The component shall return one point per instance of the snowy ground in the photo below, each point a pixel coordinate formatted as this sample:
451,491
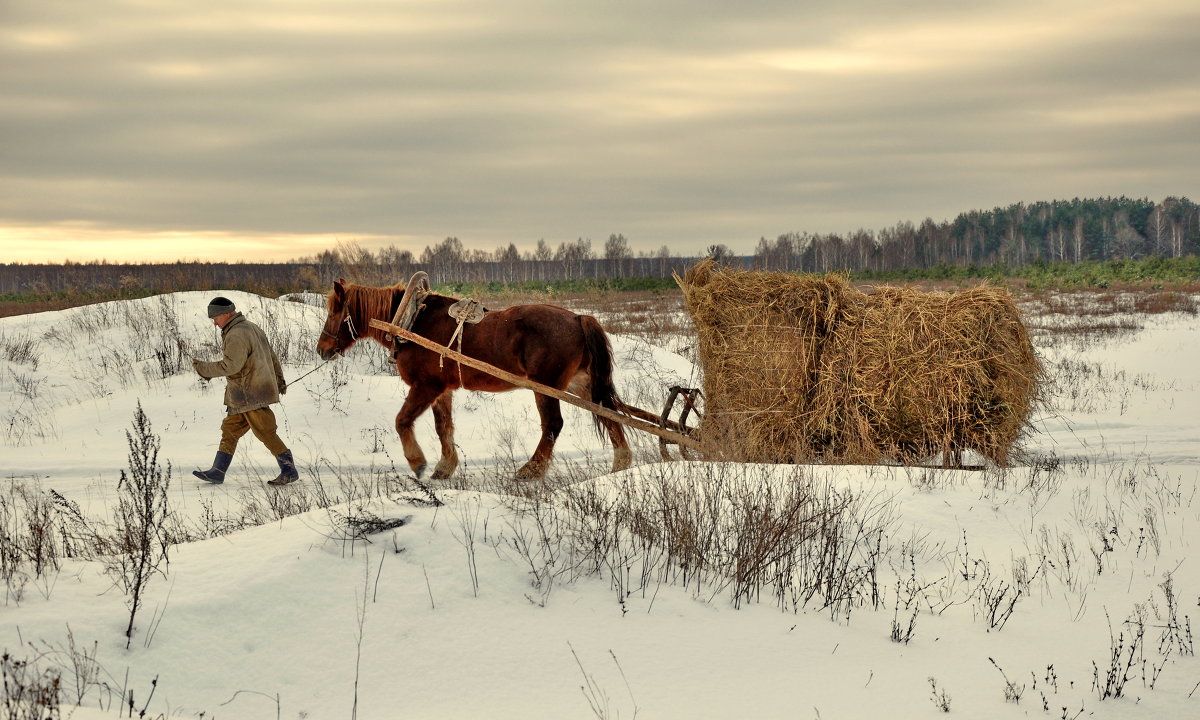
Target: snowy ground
1006,593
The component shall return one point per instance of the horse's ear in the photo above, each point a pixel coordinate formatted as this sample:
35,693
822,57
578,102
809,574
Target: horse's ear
338,288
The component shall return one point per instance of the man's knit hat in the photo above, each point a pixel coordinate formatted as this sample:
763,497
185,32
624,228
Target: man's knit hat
220,306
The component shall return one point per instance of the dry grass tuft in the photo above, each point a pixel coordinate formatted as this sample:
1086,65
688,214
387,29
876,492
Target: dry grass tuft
804,367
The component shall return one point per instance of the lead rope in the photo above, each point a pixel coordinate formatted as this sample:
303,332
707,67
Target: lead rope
353,333
310,372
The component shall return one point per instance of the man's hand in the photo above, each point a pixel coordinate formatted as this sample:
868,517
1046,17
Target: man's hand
196,367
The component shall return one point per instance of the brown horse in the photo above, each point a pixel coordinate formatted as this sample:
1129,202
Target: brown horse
545,343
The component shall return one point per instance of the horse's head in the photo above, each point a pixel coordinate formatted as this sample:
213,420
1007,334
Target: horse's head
339,332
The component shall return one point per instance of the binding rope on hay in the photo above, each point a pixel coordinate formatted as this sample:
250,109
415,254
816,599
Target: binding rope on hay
804,368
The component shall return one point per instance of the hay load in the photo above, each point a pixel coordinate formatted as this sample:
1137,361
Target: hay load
805,368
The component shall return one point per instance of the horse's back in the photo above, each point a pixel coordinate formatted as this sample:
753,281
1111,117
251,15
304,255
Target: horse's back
537,340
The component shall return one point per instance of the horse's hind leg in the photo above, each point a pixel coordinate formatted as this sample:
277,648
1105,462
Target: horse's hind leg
552,423
443,422
622,455
420,397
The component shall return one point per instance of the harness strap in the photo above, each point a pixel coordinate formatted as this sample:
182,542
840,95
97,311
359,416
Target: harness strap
464,311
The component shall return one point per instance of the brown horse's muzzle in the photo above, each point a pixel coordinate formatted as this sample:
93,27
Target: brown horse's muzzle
336,338
327,349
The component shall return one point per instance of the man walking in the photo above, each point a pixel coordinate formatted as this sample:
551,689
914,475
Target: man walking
254,380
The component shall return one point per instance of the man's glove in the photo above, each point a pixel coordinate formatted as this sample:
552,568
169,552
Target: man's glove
282,387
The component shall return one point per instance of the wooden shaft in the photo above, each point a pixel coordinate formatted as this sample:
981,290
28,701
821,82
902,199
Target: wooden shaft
567,397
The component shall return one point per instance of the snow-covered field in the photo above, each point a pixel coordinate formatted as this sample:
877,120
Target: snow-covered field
1059,588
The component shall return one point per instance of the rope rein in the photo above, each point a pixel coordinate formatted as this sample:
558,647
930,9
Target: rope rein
349,322
310,372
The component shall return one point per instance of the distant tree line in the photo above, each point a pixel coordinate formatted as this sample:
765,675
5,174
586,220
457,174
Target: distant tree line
447,262
1058,231
450,261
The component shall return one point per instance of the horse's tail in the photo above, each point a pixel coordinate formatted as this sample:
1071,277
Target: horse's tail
604,393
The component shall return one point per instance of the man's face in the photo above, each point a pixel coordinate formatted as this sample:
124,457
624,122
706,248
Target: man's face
222,319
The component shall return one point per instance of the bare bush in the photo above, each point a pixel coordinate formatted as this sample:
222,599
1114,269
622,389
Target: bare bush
29,415
938,696
1127,658
29,693
540,547
1176,632
141,543
29,547
794,542
19,349
78,668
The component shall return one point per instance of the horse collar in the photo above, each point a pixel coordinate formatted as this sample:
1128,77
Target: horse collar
411,304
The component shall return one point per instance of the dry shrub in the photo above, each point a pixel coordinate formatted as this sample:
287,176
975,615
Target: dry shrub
1164,302
29,693
801,368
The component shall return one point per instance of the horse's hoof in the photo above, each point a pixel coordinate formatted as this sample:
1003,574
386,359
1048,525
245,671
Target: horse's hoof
419,470
531,472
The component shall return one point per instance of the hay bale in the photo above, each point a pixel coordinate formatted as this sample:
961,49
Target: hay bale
803,368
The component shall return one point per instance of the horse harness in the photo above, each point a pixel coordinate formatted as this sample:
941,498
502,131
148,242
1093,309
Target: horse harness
464,311
348,322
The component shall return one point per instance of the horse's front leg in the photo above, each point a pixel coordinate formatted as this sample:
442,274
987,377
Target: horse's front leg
552,424
443,422
420,397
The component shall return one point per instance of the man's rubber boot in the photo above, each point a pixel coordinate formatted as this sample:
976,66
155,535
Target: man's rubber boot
287,469
215,474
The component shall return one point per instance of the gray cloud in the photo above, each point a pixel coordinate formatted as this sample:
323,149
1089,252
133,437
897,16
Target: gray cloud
674,123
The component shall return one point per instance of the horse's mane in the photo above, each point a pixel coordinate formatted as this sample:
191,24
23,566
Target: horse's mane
373,302
369,302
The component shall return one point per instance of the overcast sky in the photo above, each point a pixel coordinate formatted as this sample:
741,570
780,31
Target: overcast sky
270,129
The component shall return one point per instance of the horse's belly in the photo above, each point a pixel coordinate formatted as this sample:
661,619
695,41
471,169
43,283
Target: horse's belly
486,383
